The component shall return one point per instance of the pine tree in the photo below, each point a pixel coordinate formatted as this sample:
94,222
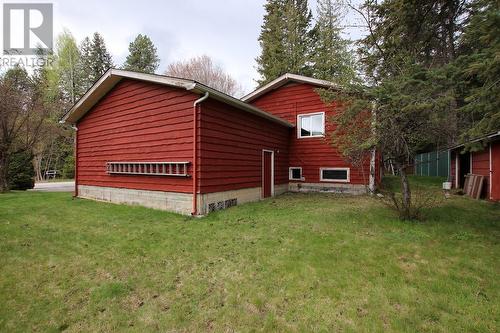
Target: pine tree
478,69
285,39
95,59
85,65
101,59
142,55
298,19
332,57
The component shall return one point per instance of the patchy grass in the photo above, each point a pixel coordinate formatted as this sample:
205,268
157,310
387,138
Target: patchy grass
418,182
299,262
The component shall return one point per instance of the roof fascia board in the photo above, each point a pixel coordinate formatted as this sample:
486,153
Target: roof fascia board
489,136
239,104
113,76
282,80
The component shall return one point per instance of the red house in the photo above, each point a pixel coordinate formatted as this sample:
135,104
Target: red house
485,162
178,145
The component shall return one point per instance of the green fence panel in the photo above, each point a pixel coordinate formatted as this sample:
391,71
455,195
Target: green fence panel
443,164
417,165
432,164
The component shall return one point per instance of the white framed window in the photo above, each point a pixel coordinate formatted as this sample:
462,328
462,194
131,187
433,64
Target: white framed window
311,125
295,173
340,175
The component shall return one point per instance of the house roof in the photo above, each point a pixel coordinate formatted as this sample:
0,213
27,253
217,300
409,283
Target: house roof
284,79
491,136
113,76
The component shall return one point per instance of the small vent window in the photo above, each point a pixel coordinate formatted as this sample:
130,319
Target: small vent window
148,168
335,175
295,173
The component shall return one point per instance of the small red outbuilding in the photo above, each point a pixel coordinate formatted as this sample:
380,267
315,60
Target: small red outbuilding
485,162
178,145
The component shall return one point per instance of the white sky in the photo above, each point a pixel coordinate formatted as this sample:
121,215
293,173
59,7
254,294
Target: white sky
226,30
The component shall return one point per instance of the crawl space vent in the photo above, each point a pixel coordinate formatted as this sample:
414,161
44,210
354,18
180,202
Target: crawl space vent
212,207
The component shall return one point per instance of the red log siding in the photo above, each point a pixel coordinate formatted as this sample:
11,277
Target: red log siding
309,153
495,166
136,121
481,166
230,148
453,168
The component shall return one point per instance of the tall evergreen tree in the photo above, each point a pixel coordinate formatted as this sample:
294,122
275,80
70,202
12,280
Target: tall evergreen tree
142,56
411,97
478,70
331,57
95,59
298,41
101,58
285,39
85,65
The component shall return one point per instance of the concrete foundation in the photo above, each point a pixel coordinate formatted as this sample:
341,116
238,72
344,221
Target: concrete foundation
208,202
328,187
181,203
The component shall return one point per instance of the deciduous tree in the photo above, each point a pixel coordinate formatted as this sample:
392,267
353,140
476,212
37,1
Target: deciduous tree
204,70
21,117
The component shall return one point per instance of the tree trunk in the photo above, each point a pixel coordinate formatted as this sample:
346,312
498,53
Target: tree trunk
405,192
372,185
4,184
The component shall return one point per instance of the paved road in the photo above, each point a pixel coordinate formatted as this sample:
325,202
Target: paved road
55,187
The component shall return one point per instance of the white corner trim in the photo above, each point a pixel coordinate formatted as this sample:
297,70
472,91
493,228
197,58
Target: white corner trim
471,164
490,179
299,130
348,180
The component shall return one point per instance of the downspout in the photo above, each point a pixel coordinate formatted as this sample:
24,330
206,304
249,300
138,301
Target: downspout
76,160
194,211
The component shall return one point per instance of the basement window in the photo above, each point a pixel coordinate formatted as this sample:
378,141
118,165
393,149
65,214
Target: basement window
340,175
311,125
295,173
179,169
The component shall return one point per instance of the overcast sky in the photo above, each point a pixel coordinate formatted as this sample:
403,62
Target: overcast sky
225,30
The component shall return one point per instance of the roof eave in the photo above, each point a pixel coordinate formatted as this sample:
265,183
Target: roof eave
240,104
486,137
284,79
109,79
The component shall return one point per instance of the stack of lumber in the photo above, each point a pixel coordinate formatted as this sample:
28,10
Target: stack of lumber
473,185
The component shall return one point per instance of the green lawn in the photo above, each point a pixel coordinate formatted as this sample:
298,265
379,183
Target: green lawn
294,263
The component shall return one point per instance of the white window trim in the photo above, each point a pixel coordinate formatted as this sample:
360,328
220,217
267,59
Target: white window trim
348,180
290,174
299,135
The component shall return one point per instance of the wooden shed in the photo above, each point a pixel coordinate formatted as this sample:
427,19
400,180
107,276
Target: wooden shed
178,145
485,162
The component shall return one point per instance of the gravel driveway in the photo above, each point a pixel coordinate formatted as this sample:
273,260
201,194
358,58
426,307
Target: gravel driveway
55,187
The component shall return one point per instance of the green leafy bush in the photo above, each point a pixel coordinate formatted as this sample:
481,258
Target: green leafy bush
21,174
68,171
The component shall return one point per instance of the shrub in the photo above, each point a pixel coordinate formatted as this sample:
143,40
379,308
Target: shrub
68,170
21,173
